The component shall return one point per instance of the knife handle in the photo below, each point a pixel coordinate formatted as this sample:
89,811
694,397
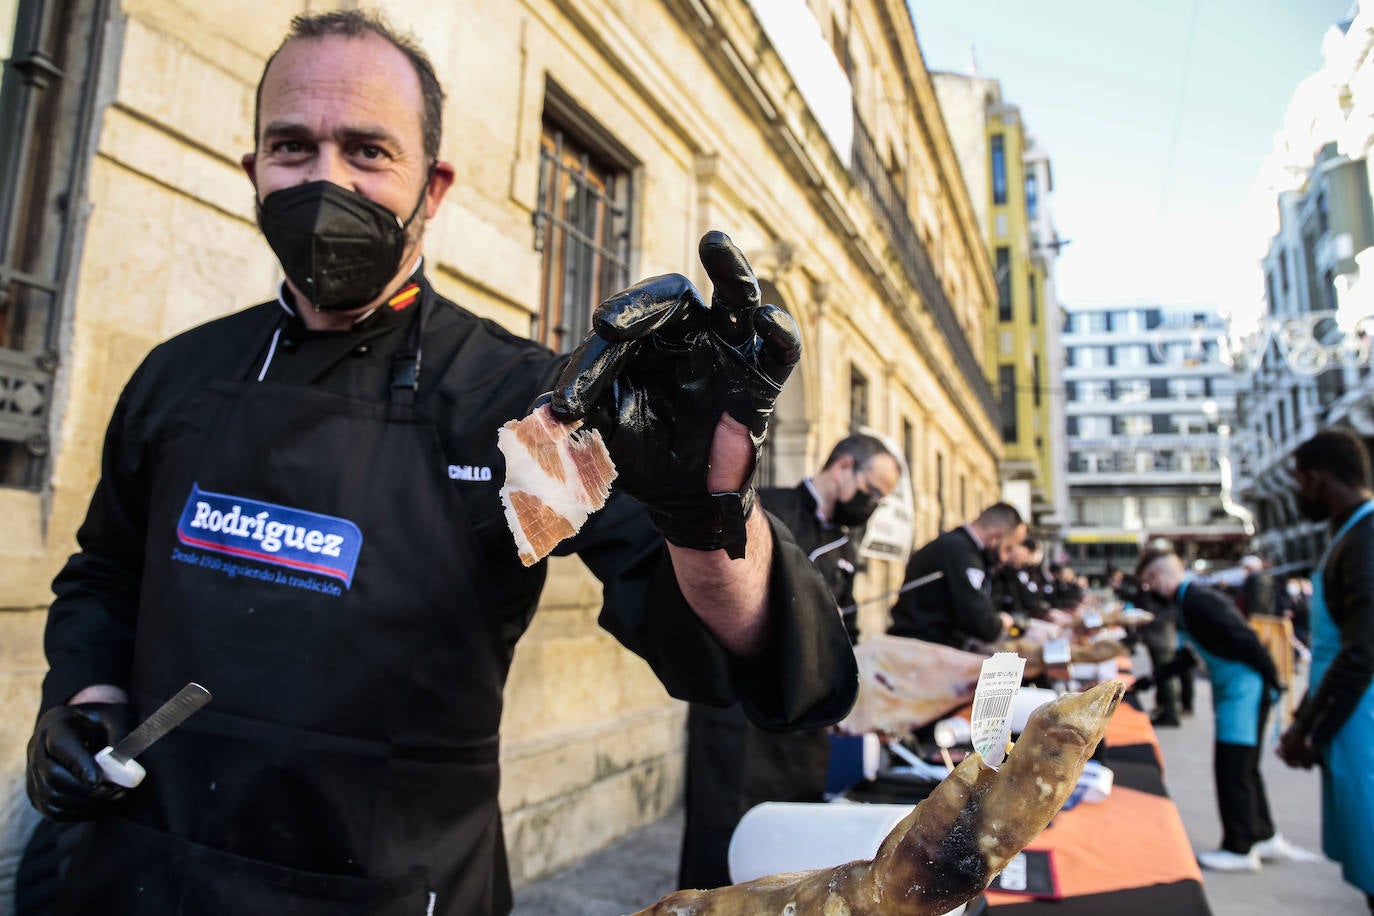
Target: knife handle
128,773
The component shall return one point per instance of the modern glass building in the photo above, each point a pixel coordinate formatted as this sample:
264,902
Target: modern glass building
1148,404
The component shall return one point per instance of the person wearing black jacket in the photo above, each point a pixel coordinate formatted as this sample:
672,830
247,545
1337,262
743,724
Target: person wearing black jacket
1334,725
956,609
1257,590
1244,684
1066,593
732,765
300,513
1018,585
1009,592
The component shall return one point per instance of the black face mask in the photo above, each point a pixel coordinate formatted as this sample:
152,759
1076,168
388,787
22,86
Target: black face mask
336,246
856,510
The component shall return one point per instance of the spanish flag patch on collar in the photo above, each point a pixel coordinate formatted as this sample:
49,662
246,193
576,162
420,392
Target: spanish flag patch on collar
403,299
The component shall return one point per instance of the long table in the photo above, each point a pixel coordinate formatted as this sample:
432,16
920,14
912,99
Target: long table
1127,855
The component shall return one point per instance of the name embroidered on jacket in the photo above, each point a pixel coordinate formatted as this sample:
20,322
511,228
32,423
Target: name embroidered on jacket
279,535
468,472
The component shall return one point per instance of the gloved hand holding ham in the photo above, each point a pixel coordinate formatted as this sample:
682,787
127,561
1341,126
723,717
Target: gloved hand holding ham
675,389
955,841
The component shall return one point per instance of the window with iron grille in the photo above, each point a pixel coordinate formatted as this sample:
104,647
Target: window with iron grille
999,170
940,489
1003,261
582,227
1006,385
858,399
47,104
909,443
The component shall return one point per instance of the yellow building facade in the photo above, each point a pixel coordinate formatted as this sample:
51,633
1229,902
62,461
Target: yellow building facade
594,142
1009,181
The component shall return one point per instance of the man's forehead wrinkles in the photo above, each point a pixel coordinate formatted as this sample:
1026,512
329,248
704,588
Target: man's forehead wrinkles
337,108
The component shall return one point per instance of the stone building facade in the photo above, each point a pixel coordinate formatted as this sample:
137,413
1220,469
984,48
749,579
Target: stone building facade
594,142
1305,364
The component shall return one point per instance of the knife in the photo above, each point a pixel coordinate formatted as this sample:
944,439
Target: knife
117,762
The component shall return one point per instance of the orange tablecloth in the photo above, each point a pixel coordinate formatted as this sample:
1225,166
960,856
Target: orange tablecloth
1128,855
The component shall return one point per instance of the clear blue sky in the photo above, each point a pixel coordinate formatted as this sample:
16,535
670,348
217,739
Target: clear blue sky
1155,146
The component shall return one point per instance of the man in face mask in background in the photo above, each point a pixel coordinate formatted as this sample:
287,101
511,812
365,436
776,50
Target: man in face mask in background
278,519
825,512
732,765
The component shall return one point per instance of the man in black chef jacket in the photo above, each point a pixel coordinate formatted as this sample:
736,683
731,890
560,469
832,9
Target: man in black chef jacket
956,609
731,764
300,512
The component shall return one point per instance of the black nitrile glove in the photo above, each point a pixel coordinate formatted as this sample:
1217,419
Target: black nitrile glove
64,781
655,375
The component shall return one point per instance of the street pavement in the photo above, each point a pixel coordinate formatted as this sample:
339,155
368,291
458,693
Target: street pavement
1295,804
639,868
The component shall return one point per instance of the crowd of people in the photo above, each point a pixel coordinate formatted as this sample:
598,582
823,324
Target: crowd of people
349,763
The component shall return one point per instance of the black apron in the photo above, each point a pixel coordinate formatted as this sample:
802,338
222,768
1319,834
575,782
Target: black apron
310,563
733,765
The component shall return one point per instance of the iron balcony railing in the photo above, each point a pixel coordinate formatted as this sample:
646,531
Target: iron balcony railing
890,207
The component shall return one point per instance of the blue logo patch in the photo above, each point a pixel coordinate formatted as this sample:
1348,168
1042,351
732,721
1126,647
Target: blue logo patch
273,534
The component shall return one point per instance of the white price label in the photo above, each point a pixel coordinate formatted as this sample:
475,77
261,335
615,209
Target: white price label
1092,619
1014,876
998,684
1057,651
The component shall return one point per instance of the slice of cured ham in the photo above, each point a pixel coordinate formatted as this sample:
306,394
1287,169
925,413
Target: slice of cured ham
906,683
557,474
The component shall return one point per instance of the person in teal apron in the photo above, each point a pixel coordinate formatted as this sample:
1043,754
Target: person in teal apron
1334,725
1244,684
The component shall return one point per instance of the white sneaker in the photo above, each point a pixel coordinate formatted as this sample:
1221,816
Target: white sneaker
1223,860
1277,849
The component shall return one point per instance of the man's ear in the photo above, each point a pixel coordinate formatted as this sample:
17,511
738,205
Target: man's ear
441,178
249,162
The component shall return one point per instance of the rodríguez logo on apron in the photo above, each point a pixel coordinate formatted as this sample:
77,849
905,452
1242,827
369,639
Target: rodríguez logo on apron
269,533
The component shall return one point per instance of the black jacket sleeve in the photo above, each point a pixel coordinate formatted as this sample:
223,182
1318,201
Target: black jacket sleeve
951,609
90,630
1348,583
970,605
807,676
1257,594
1216,623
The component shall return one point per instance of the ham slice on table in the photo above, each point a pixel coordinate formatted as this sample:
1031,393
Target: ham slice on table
557,474
907,683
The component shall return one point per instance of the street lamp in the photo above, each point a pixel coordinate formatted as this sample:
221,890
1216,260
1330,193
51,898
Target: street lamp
1228,502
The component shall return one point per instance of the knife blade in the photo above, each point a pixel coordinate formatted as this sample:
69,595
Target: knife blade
117,762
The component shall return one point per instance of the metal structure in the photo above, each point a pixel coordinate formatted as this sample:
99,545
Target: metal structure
47,106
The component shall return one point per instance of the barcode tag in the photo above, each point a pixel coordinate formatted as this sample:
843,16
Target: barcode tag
998,684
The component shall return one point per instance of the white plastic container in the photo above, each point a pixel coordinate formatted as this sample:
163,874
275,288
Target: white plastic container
795,836
1027,701
952,731
777,837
